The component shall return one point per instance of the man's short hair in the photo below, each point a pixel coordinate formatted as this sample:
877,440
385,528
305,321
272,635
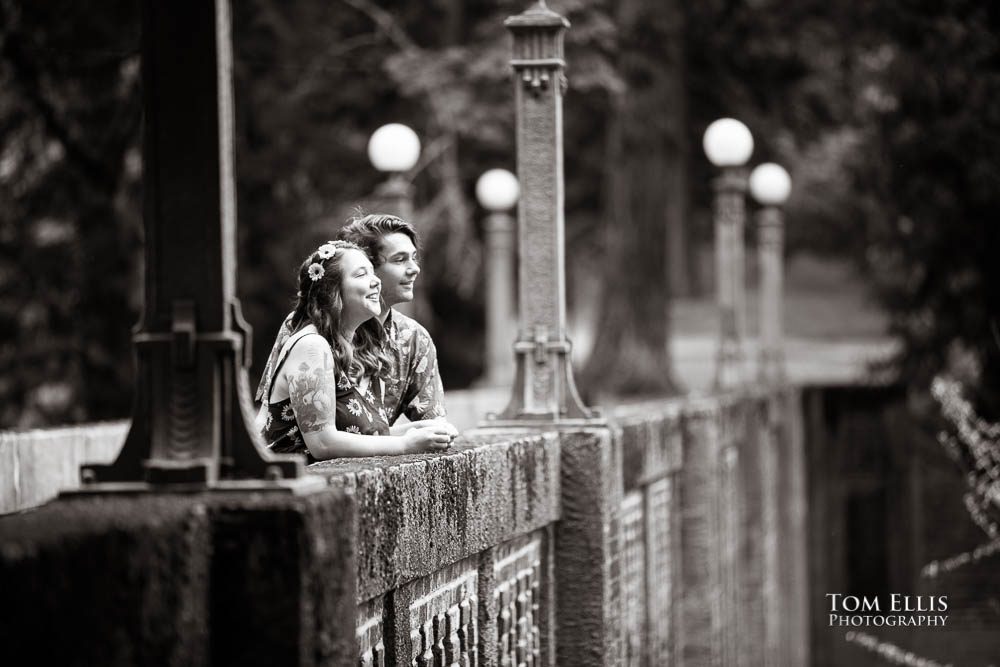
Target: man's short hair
367,232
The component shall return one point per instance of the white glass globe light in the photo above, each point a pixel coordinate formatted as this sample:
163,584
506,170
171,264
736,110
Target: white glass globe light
497,190
394,148
728,143
770,184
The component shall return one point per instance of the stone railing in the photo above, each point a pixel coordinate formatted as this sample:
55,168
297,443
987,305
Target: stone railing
36,465
672,535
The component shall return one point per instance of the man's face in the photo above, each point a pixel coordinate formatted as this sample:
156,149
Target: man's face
398,269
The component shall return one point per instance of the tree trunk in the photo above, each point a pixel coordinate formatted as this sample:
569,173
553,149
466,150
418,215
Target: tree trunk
680,266
644,189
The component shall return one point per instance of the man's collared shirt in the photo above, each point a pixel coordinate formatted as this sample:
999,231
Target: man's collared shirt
412,380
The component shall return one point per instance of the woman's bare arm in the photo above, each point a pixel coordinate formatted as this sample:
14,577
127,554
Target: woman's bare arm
312,388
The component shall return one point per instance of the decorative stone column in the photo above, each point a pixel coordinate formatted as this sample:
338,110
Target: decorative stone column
544,389
395,197
770,185
497,191
728,145
192,421
730,267
394,150
770,244
500,314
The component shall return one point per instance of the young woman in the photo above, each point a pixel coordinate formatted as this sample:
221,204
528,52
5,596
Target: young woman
325,395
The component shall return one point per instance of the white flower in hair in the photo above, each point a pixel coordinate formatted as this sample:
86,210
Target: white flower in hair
316,271
326,251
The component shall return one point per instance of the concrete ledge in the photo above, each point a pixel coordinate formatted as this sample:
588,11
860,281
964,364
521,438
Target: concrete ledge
282,584
417,514
251,579
36,465
671,534
88,582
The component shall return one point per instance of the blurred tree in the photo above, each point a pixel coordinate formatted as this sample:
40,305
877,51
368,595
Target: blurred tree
306,110
934,90
644,197
886,118
69,207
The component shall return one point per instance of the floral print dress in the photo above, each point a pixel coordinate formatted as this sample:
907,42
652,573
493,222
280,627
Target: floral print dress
411,381
358,411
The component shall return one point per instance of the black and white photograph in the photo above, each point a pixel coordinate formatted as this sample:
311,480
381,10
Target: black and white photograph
500,333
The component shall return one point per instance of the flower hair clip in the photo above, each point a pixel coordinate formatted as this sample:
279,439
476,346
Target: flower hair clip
316,271
327,250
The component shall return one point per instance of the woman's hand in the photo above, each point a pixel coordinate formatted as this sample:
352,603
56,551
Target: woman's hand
433,437
439,422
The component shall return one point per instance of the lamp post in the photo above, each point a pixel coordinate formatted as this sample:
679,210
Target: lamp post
497,191
394,150
770,185
728,145
192,419
544,389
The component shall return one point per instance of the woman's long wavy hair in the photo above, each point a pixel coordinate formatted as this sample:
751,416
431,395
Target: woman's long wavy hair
320,303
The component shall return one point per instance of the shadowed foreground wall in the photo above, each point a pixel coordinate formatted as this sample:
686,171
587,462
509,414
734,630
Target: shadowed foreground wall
672,535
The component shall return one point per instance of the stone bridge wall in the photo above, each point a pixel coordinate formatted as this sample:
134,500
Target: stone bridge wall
674,535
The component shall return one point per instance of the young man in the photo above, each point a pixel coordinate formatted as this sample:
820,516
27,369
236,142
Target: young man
412,381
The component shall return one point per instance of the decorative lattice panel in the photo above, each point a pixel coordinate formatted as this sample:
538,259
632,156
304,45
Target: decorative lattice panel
517,575
633,575
660,553
443,628
370,639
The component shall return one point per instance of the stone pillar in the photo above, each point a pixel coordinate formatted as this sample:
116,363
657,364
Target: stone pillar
192,419
730,275
501,318
395,197
700,637
544,389
770,243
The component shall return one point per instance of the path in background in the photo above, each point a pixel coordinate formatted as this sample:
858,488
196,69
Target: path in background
833,332
833,329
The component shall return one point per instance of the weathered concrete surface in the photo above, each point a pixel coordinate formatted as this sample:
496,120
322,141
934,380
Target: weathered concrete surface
588,571
106,582
651,441
652,452
252,579
36,465
708,543
749,425
282,584
417,514
794,529
702,538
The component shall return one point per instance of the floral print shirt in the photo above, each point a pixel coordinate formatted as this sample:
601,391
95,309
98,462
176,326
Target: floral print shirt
412,381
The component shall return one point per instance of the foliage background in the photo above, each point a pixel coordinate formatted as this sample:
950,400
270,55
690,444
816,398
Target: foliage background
886,114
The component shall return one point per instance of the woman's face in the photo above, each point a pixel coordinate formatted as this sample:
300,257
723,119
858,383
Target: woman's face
359,288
